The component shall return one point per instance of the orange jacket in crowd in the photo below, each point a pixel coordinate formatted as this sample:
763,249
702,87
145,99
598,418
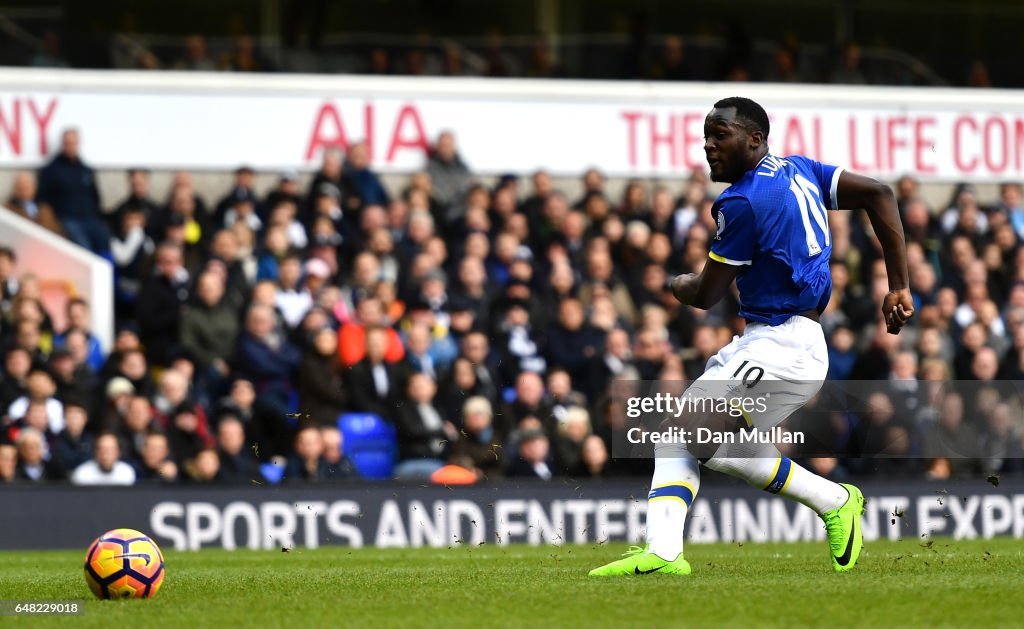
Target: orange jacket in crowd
352,345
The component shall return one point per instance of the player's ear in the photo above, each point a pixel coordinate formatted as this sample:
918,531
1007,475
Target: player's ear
756,139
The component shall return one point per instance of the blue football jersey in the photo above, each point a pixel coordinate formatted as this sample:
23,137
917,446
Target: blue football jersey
773,222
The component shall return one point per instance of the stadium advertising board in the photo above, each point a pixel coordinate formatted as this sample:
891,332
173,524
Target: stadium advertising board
217,121
385,516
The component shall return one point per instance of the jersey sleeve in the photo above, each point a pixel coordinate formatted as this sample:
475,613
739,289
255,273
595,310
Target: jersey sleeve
736,238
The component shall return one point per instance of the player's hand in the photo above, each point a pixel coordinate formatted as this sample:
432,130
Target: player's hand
897,308
682,287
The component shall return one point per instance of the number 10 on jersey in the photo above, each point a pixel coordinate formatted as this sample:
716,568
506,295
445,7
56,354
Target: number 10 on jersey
808,197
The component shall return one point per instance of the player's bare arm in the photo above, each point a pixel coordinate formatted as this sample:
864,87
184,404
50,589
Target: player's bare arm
857,191
705,289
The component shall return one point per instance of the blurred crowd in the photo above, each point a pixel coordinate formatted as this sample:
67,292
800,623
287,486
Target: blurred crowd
733,56
485,323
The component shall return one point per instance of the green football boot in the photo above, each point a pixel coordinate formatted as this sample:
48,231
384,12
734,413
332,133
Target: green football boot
845,538
639,561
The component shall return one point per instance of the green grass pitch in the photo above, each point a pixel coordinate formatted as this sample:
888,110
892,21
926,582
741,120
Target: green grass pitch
896,583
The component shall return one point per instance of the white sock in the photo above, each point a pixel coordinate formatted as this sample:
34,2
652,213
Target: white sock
674,485
769,470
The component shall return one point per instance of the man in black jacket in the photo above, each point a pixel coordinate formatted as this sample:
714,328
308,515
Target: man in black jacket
69,187
237,463
375,385
160,303
422,433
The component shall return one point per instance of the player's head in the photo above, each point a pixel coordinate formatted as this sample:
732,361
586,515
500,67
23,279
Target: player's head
735,137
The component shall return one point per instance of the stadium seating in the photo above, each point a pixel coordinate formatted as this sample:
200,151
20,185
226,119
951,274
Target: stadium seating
370,443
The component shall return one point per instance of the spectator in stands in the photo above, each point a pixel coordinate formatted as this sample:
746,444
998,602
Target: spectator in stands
73,445
1000,445
456,386
337,463
477,349
33,463
601,368
195,57
8,463
138,199
595,458
132,427
160,303
449,175
292,299
28,309
952,438
422,433
172,401
240,402
1010,206
784,67
308,465
204,468
673,65
361,185
559,393
426,354
69,186
601,272
352,336
14,383
105,468
287,190
529,402
266,358
156,465
75,381
477,441
328,181
533,460
8,283
241,210
185,224
130,247
237,463
133,367
182,426
323,394
35,418
286,214
244,57
848,69
571,341
24,201
79,318
376,385
572,430
209,333
227,260
28,336
40,389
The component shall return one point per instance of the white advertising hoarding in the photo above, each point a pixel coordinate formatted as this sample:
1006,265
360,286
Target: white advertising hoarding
219,121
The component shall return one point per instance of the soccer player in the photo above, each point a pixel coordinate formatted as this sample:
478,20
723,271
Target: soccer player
773,240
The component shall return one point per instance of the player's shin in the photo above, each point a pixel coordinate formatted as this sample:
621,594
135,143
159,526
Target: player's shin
764,467
674,486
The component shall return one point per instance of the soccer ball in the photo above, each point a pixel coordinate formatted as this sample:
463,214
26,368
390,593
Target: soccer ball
124,563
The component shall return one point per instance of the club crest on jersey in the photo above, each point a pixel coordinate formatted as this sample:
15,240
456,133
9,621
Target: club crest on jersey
721,225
